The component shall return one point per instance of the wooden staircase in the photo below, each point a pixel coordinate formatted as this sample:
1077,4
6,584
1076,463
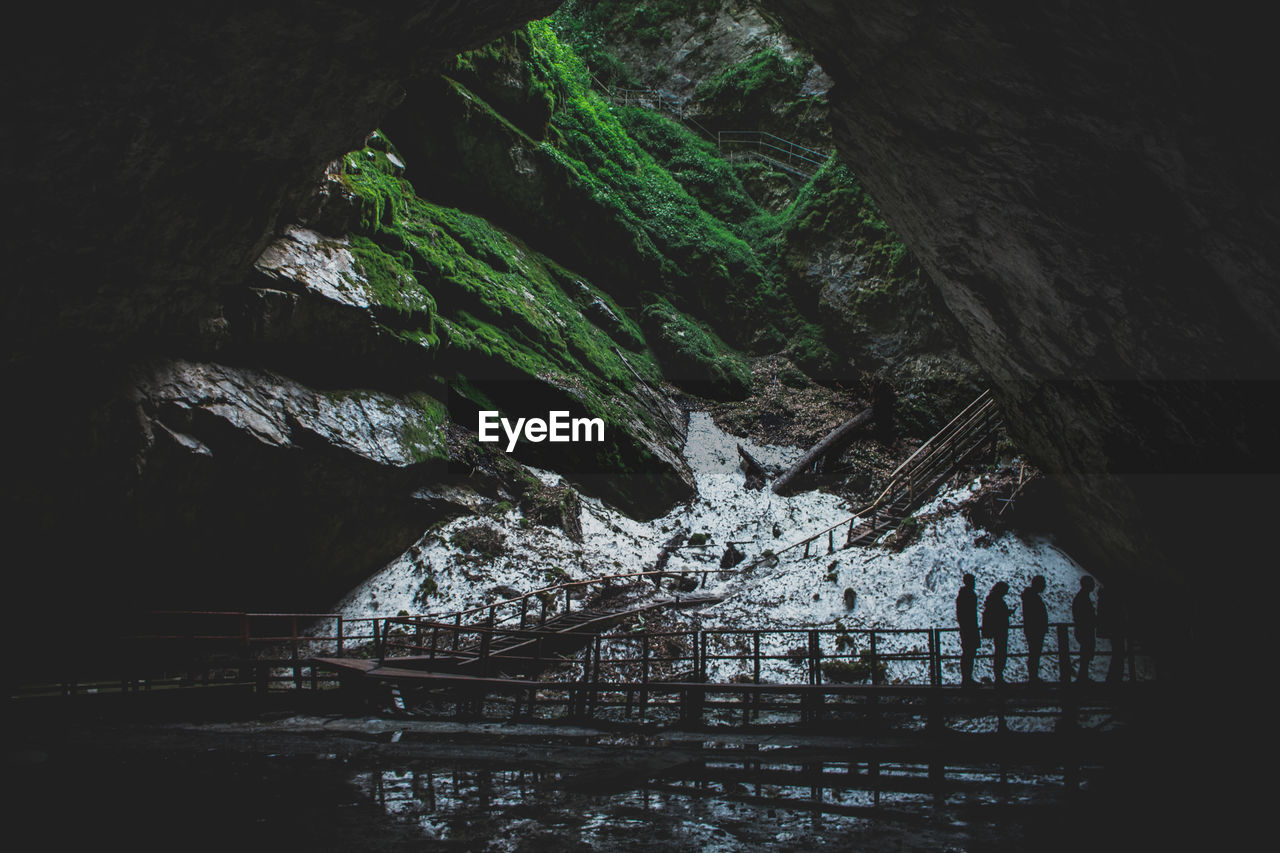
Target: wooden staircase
485,650
918,478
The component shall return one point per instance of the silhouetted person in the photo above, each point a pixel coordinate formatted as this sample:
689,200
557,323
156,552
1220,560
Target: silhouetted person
1035,624
995,625
1086,624
967,620
1111,625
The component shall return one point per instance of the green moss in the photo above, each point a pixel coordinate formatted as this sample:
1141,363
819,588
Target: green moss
589,25
425,437
747,88
600,158
693,355
426,589
695,163
835,199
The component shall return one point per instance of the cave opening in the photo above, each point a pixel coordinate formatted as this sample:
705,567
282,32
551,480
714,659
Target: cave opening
258,299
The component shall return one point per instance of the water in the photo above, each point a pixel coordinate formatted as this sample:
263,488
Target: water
262,786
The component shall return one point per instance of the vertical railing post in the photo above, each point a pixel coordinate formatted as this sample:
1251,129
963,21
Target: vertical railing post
875,661
457,630
594,695
379,651
755,654
644,674
935,657
340,626
297,662
486,637
524,611
815,671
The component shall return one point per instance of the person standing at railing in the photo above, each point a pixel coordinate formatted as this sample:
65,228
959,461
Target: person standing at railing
1086,624
1035,624
967,620
995,626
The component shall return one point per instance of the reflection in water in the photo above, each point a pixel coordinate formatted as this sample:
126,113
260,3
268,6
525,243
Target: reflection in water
761,802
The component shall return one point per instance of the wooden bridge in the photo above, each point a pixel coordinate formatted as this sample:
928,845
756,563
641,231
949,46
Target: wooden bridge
873,678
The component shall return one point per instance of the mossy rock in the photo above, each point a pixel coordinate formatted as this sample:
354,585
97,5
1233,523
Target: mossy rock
693,356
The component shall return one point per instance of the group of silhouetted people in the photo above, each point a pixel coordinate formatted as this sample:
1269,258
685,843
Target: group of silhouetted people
1106,621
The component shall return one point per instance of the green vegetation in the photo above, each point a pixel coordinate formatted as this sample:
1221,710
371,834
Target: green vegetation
746,87
698,539
622,178
835,199
502,311
426,589
693,355
589,26
695,163
425,437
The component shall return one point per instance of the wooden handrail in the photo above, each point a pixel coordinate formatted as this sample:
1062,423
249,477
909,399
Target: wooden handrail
935,449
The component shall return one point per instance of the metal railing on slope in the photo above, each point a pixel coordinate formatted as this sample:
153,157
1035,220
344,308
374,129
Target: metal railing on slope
918,476
783,153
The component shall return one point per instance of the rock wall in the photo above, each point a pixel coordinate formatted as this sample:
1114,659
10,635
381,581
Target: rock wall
1092,188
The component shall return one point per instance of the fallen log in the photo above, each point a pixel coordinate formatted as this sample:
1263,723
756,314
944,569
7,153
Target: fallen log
752,468
673,544
780,485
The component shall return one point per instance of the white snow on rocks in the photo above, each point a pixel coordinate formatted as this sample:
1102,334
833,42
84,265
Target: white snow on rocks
915,588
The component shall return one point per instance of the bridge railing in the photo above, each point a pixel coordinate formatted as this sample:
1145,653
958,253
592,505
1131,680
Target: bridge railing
272,651
907,656
775,149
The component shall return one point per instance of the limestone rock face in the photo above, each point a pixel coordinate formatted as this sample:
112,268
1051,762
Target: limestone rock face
319,266
262,488
279,413
1092,188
